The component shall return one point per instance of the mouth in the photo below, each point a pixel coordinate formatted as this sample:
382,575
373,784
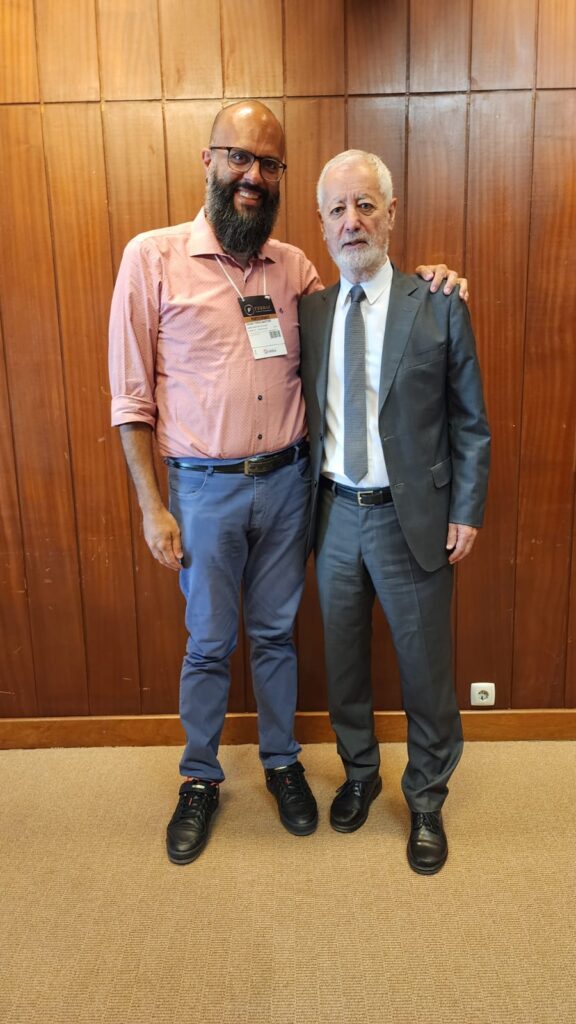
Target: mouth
353,243
249,196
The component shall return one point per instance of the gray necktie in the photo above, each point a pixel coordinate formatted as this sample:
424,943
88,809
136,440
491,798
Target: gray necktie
355,439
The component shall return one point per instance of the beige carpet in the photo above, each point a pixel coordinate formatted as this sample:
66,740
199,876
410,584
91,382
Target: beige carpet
266,928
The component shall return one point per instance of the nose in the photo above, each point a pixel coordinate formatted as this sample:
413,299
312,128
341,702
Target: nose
254,175
351,218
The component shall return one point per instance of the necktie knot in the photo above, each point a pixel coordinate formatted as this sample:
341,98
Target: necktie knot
357,293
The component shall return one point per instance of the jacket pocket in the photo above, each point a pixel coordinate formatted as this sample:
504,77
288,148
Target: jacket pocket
415,356
442,472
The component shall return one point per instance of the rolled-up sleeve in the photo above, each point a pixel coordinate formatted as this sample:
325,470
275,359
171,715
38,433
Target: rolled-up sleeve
133,335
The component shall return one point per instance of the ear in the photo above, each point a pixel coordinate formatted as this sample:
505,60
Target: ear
206,157
392,213
319,215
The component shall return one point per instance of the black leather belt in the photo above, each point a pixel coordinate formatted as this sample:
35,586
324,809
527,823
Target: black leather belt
381,496
258,465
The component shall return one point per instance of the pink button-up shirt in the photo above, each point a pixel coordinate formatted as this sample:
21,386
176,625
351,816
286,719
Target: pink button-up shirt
180,358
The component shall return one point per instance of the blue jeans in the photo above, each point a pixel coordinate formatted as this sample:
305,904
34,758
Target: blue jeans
248,530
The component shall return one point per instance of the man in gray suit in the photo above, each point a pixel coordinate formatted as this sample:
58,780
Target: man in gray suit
400,452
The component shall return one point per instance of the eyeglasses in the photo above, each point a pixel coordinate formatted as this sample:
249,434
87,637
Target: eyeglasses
241,160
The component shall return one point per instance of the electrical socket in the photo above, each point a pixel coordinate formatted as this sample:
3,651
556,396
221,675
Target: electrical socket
482,695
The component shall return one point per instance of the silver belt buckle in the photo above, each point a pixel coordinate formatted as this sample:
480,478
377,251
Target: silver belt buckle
360,495
258,465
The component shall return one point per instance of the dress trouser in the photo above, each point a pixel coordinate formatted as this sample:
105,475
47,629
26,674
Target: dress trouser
236,530
361,552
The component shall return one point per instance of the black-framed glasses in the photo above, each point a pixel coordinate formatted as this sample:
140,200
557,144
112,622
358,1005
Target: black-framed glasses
241,160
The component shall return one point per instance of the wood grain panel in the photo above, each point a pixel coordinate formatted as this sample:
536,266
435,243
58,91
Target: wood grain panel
134,143
315,132
67,50
557,44
17,689
314,40
134,146
188,125
311,727
74,149
39,418
498,209
190,48
379,126
160,617
252,47
436,178
549,414
503,47
18,70
570,700
439,45
129,49
377,45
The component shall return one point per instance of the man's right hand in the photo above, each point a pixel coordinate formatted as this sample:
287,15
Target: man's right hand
162,535
161,530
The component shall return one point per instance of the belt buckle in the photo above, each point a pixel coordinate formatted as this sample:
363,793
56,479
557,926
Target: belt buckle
256,466
362,494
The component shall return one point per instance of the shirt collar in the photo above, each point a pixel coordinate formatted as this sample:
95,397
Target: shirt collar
203,241
373,288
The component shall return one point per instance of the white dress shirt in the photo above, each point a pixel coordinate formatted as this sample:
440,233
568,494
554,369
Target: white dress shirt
374,312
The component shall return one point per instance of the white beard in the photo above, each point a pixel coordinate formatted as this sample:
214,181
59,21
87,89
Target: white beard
361,262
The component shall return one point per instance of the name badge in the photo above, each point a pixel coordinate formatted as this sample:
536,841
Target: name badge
262,326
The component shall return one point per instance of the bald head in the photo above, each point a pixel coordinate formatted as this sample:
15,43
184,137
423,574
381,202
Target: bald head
247,120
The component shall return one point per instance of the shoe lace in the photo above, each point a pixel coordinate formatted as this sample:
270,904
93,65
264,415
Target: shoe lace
430,821
292,785
195,803
351,786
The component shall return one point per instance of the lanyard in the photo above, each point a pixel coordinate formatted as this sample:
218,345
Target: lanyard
260,321
237,290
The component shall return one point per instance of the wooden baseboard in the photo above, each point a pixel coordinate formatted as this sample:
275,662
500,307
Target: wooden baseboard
311,727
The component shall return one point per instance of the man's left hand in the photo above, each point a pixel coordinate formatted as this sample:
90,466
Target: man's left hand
460,541
437,273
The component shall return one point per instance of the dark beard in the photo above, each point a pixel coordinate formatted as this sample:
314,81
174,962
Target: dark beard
239,232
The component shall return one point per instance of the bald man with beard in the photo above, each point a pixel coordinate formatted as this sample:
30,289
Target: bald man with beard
204,357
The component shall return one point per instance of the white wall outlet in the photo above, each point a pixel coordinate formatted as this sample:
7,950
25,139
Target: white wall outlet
482,695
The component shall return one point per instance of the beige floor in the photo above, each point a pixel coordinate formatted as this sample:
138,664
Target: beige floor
267,928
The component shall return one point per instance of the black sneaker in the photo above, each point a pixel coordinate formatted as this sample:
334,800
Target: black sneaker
189,827
296,803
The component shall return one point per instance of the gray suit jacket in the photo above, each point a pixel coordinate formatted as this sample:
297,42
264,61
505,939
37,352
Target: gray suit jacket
432,420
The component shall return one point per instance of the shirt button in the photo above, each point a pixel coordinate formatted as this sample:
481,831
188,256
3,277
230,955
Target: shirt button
259,437
259,398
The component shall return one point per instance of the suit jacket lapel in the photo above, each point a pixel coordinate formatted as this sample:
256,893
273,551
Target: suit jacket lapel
329,297
402,310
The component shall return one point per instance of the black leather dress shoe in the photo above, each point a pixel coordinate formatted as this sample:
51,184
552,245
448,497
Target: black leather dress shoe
189,827
296,803
352,802
427,846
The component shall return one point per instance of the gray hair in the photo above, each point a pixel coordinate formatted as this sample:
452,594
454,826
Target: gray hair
384,176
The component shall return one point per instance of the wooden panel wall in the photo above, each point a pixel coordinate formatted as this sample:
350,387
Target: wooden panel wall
104,108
